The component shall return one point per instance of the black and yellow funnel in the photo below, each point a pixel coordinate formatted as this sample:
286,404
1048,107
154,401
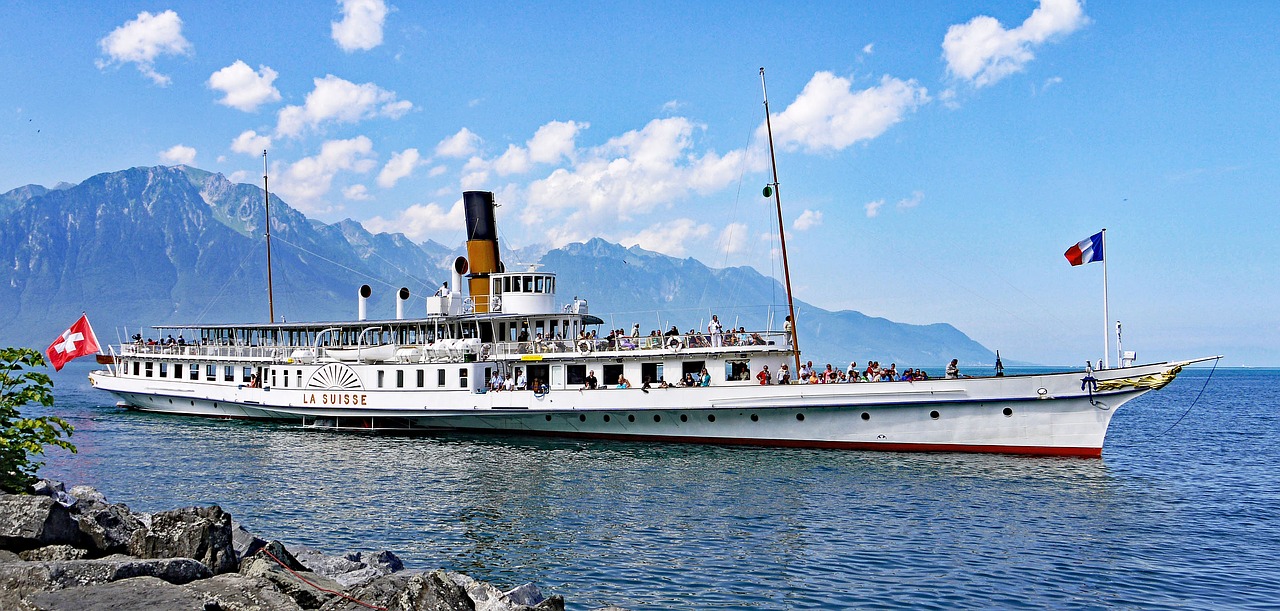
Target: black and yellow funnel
482,245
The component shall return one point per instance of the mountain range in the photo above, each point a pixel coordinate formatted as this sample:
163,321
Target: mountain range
164,245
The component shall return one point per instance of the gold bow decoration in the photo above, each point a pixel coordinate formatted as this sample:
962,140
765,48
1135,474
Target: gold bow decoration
1155,381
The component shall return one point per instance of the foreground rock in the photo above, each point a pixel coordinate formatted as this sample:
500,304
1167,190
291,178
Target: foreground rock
74,550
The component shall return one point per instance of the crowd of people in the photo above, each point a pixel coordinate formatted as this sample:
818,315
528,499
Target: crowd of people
873,372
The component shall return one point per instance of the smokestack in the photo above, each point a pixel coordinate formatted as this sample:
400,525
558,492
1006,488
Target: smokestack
482,245
401,296
365,292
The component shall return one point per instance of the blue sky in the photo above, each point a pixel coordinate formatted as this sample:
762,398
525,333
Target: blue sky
936,158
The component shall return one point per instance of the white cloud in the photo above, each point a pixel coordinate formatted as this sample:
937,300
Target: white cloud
551,143
305,182
873,208
869,49
459,145
669,237
419,221
911,202
341,101
179,154
672,106
733,239
245,89
475,174
829,116
807,220
250,143
983,52
438,170
400,166
144,39
357,193
361,25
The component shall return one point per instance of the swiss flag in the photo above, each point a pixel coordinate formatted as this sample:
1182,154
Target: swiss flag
74,343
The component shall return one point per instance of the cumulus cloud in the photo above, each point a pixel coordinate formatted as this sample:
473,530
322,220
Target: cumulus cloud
873,208
340,101
357,193
179,154
419,221
551,143
144,39
669,237
244,88
983,52
305,182
733,238
251,142
829,115
361,25
400,166
911,202
459,145
807,220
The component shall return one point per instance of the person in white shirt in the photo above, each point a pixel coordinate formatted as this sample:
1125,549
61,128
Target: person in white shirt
715,329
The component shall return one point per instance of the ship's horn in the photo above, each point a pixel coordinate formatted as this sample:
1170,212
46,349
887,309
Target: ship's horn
482,245
365,292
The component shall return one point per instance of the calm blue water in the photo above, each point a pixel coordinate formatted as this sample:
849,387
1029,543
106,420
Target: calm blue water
1185,519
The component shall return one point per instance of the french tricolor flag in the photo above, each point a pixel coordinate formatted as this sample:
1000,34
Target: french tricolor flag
1087,251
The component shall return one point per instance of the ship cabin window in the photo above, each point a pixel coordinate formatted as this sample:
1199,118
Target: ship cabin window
137,368
609,375
399,378
692,368
248,373
651,372
462,377
286,378
577,375
737,370
177,370
298,377
195,371
528,284
164,370
273,377
540,285
211,373
439,378
381,374
229,374
421,378
149,368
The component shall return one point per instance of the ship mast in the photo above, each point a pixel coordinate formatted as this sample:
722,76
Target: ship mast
266,199
782,238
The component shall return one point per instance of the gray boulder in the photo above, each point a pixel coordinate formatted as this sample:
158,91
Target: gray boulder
329,566
308,589
489,598
138,593
244,542
54,552
109,528
203,533
236,592
31,521
358,577
87,495
24,578
433,591
379,592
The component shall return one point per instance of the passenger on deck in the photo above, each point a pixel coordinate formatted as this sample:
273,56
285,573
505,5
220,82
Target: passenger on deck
688,382
764,376
443,291
784,374
520,381
591,382
704,378
716,331
953,369
623,383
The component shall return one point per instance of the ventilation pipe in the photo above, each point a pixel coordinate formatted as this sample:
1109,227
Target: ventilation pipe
482,245
401,297
365,292
459,268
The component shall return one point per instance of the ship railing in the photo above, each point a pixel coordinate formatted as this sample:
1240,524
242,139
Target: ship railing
656,344
210,351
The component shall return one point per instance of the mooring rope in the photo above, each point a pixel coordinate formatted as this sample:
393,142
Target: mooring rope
1193,402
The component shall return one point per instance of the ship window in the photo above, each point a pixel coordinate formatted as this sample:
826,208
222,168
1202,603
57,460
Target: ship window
462,378
247,374
421,378
273,377
691,368
611,374
298,377
149,368
137,368
286,378
506,284
541,285
439,377
381,374
195,371
497,286
528,284
577,375
229,374
399,378
164,370
651,372
211,373
177,370
737,370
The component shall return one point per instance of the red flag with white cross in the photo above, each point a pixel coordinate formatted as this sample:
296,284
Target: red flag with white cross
74,343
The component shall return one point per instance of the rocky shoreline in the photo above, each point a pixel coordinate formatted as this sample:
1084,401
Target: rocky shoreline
71,549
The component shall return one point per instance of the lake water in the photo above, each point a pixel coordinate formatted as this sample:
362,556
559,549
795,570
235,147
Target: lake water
1180,519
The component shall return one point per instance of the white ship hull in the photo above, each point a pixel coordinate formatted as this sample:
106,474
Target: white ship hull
1035,414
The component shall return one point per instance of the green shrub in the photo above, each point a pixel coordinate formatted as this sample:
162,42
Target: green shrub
22,438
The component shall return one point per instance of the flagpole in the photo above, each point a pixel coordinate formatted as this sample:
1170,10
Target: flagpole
782,238
1106,316
266,198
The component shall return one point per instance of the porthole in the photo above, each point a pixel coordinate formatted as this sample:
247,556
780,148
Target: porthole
631,418
606,417
934,414
800,417
866,416
755,418
548,417
711,417
193,403
684,418
170,401
657,418
1008,411
582,417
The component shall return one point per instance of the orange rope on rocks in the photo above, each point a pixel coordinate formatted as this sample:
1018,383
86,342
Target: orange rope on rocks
325,590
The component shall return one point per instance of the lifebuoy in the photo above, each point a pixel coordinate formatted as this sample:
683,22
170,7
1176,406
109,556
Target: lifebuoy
584,346
674,344
485,350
